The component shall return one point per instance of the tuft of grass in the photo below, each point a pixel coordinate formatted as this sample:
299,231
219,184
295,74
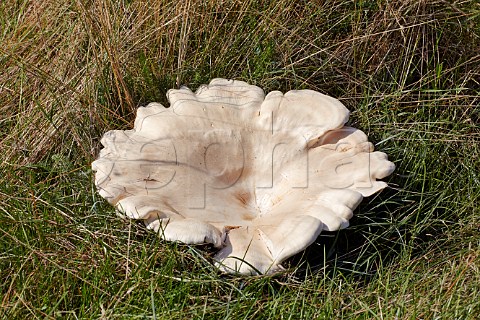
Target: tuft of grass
71,70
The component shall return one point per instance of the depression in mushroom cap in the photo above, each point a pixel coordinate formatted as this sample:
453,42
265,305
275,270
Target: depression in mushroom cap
257,176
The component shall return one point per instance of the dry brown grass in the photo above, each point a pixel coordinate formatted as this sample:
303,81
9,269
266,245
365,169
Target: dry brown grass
70,68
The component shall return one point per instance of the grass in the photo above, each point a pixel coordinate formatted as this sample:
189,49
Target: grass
71,70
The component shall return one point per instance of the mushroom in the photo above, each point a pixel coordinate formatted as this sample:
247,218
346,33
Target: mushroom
258,177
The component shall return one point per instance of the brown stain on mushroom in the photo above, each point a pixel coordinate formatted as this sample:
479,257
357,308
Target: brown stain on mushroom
228,228
244,197
248,216
230,177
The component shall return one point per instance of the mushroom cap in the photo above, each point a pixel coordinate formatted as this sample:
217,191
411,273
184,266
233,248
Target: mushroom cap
258,177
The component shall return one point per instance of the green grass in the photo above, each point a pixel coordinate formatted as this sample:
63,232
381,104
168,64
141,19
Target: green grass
71,70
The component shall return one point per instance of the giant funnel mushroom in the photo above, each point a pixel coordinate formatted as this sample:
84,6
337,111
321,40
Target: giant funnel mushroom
258,177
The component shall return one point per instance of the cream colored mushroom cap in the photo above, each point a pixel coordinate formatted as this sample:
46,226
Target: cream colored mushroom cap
258,177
